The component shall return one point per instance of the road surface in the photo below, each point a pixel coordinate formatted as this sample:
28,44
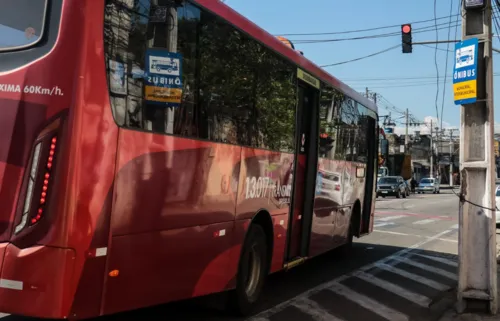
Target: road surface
399,272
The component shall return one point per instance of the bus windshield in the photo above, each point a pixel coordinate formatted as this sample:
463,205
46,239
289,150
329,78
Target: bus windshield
21,23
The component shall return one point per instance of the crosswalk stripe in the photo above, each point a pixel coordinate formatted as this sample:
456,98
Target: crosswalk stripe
415,277
390,218
432,269
419,299
368,303
423,222
314,310
439,259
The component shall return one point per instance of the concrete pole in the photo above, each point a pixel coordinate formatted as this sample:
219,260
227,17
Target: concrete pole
451,154
432,154
477,270
406,132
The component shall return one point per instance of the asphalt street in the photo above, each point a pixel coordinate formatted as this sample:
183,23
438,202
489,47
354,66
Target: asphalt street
404,270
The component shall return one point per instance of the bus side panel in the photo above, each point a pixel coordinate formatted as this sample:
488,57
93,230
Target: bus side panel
89,294
172,221
54,269
265,184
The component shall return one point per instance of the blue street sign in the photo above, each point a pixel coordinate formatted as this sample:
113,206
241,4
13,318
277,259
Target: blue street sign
465,72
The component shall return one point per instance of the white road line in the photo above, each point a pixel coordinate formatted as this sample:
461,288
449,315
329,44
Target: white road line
382,224
390,218
427,221
432,269
416,235
438,259
415,277
419,299
368,303
314,310
264,315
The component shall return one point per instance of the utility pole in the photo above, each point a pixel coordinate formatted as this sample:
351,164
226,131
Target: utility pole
452,147
406,132
432,154
477,270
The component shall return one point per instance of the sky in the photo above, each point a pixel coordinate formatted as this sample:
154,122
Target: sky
403,80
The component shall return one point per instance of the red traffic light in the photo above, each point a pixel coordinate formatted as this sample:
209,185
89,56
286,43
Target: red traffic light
406,28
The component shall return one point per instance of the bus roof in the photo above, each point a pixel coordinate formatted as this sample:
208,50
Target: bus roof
241,22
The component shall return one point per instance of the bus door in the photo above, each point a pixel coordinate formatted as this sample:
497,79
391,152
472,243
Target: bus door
306,162
369,177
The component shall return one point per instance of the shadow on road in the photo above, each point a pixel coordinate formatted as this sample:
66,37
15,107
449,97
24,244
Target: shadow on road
280,287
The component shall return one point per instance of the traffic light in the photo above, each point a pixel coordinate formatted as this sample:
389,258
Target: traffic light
406,38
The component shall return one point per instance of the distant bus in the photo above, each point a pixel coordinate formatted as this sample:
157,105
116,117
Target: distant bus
122,188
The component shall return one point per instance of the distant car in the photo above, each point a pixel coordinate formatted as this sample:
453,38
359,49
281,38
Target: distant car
391,186
428,184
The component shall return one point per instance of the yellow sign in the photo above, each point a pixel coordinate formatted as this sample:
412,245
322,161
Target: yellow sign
465,90
163,94
497,146
313,81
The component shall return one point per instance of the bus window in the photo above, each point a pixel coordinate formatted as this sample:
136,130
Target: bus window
21,23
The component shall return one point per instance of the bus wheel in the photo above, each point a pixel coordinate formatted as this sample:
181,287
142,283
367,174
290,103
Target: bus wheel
252,272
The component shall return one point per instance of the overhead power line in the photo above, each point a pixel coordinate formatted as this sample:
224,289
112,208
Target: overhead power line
443,26
358,30
360,58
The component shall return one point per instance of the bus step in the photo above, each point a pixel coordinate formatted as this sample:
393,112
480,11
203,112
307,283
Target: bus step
294,263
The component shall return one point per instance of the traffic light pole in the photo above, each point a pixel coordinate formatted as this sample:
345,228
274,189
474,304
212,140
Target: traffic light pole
477,278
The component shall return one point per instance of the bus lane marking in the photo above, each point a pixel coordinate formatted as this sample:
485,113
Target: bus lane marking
334,284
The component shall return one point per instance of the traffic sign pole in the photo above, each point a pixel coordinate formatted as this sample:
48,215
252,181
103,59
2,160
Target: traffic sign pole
477,226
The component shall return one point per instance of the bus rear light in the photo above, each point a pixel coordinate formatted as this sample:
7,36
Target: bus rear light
38,182
31,186
45,186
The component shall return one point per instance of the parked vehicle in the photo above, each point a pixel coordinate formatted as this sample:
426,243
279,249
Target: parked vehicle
391,186
428,184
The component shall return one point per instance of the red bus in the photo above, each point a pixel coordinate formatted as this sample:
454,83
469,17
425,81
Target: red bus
159,150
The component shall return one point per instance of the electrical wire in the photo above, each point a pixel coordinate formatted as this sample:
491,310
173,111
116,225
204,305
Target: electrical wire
435,59
360,58
358,30
446,66
375,36
462,198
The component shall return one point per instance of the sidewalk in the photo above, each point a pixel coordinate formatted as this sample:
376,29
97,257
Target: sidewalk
452,315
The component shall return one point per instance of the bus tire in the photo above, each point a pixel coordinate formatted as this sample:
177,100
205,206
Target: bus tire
252,272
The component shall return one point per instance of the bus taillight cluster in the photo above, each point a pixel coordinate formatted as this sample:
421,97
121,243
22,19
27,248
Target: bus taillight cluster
45,187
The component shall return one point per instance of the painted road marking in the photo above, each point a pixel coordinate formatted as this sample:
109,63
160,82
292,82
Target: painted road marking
415,277
439,259
426,221
368,303
313,309
390,218
415,235
419,299
334,285
382,224
432,269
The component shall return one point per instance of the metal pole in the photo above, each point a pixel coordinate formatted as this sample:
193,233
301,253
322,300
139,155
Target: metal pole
477,270
406,133
432,154
451,154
